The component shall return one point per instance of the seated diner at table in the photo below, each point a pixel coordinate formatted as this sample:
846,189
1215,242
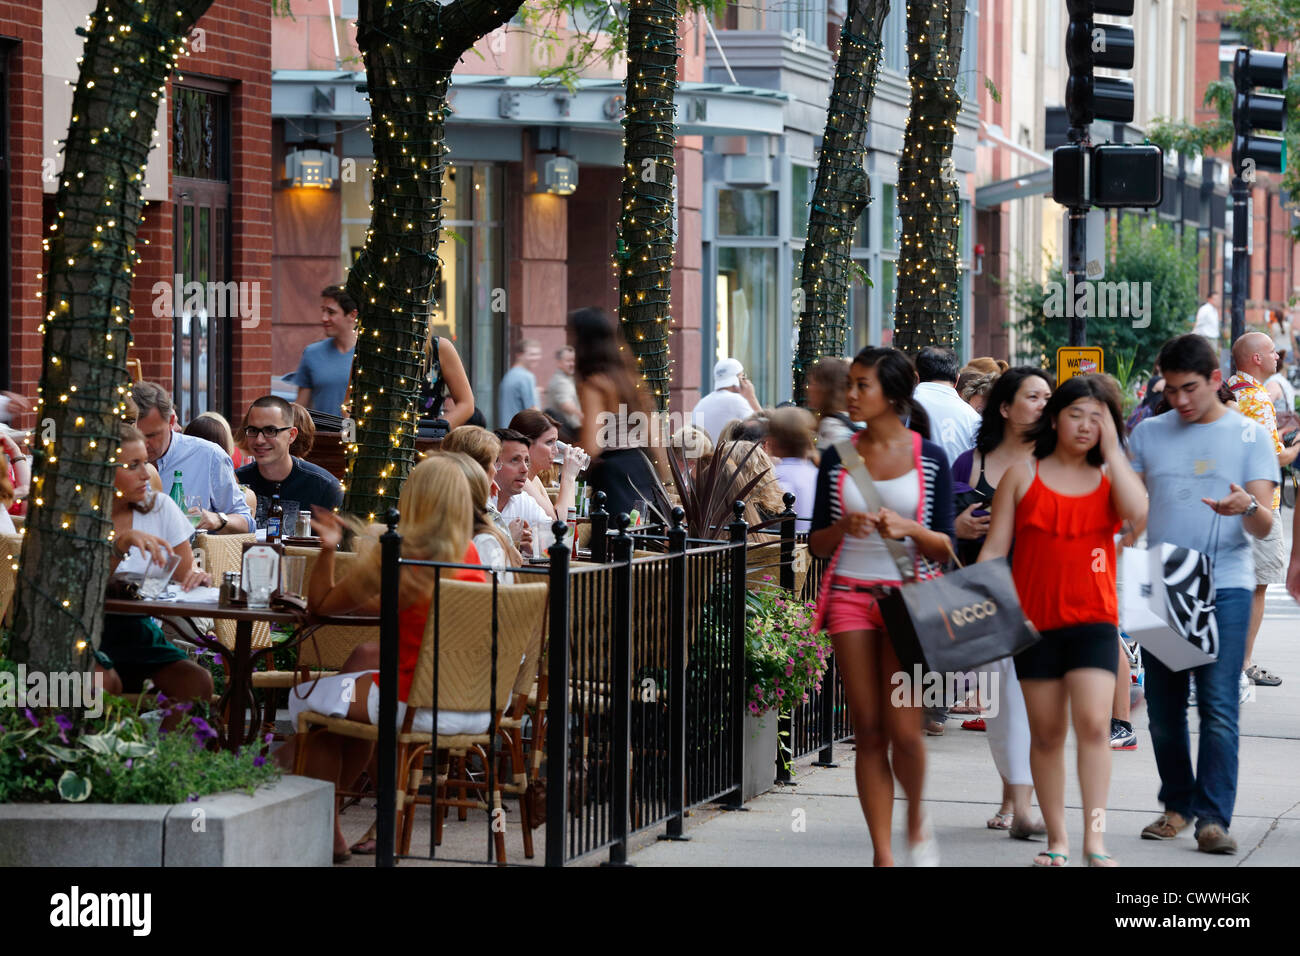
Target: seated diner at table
148,526
436,524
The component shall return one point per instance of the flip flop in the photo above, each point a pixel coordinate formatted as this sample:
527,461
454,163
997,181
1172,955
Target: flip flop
1001,821
367,844
1052,858
1101,859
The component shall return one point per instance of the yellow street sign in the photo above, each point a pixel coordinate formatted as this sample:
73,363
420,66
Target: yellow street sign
1078,360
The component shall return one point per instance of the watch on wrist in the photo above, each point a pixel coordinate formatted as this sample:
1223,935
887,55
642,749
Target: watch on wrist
224,521
1251,508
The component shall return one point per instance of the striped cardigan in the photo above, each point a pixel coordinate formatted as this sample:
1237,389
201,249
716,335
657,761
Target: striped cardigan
935,509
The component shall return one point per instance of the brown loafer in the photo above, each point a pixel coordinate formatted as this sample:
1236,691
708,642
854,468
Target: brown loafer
1169,825
1214,839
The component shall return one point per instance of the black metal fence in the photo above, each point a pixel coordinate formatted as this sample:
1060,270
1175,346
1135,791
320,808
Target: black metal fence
645,662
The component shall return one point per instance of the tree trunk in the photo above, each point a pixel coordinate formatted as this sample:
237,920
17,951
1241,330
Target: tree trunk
928,307
841,193
131,48
645,229
410,49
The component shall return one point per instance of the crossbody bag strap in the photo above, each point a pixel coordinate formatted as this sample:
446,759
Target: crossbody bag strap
852,461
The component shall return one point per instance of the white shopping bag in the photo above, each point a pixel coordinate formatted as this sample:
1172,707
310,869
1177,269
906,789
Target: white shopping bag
1166,604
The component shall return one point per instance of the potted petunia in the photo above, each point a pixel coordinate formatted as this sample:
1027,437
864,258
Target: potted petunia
785,660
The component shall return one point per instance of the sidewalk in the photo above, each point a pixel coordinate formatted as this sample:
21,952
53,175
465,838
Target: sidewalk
962,790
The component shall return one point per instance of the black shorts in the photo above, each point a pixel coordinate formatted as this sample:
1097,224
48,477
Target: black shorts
1069,648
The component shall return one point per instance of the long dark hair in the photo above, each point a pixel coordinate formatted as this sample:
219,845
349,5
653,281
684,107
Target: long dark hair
596,340
1100,387
993,427
897,377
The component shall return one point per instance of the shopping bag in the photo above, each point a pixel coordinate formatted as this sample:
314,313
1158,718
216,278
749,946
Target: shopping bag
959,621
1166,604
954,622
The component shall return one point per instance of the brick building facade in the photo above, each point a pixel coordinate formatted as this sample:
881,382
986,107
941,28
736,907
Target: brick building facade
226,198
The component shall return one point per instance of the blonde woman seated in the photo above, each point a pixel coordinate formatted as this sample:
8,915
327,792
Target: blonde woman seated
436,525
694,446
494,547
485,448
765,500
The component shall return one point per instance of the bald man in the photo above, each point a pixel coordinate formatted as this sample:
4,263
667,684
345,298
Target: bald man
1256,359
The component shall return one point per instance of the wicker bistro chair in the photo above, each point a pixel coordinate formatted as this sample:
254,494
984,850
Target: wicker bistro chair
461,627
11,548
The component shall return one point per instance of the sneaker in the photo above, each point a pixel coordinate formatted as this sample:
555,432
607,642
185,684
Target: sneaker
1262,677
1212,838
1121,737
1245,689
934,728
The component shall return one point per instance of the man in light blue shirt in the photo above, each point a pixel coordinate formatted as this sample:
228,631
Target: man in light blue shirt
1210,474
518,389
325,370
205,469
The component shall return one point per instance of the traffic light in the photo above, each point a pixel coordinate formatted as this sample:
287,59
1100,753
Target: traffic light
1118,176
1252,111
1090,45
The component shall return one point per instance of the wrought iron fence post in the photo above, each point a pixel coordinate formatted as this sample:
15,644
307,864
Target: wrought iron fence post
785,723
677,599
390,543
827,756
557,716
621,693
738,534
599,529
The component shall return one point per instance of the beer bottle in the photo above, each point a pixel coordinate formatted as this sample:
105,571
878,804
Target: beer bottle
274,520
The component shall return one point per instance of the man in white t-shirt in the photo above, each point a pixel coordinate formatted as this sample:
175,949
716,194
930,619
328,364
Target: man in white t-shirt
1207,321
953,423
732,399
518,510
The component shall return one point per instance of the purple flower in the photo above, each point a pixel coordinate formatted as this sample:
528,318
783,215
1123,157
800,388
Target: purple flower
64,726
129,763
203,731
182,707
259,760
31,718
269,737
22,753
193,797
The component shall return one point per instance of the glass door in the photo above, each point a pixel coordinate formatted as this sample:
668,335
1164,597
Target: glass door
205,302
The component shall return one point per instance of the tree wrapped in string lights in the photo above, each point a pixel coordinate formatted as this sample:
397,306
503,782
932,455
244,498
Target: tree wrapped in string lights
410,48
131,48
928,309
644,256
841,193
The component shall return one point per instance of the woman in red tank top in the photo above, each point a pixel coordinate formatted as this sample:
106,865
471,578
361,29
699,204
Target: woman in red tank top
436,525
1063,513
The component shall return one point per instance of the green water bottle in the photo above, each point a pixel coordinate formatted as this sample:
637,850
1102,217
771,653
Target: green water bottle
177,494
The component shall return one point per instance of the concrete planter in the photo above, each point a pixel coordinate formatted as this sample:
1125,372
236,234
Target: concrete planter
288,824
760,754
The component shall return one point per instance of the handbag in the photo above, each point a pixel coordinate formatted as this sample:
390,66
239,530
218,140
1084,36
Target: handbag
954,622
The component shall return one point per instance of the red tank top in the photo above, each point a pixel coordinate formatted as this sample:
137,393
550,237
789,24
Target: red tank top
410,628
1064,558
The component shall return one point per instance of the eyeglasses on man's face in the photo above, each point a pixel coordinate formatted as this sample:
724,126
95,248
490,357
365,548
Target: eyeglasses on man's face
252,432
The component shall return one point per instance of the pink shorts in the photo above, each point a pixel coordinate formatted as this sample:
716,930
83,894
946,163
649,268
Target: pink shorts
853,610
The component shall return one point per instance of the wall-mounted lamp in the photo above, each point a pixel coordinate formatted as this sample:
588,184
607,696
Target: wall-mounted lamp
311,169
557,174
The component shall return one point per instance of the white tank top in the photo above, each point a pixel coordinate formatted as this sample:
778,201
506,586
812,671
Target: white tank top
868,559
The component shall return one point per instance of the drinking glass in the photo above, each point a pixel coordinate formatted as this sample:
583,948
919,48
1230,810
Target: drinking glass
194,510
157,576
261,569
293,570
542,539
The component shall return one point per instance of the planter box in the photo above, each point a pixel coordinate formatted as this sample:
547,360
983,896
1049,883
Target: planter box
760,754
288,824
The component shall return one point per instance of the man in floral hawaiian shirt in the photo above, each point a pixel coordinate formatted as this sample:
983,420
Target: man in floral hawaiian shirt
1255,359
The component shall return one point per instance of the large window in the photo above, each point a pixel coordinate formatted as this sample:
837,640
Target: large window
746,212
201,198
747,314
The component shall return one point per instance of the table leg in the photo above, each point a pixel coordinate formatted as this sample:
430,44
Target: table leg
240,664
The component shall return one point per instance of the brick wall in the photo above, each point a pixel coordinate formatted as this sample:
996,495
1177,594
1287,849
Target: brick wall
20,21
236,49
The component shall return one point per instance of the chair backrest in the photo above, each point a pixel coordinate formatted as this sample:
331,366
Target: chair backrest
464,641
11,548
328,647
223,552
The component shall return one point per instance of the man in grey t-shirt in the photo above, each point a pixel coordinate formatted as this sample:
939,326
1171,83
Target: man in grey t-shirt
1210,474
518,389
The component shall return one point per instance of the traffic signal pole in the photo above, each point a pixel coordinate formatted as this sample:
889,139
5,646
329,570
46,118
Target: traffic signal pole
1240,254
1077,266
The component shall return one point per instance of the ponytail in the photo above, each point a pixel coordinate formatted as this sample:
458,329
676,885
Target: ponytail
918,419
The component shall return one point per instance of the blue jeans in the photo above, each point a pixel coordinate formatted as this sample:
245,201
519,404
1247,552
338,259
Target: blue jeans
1208,795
